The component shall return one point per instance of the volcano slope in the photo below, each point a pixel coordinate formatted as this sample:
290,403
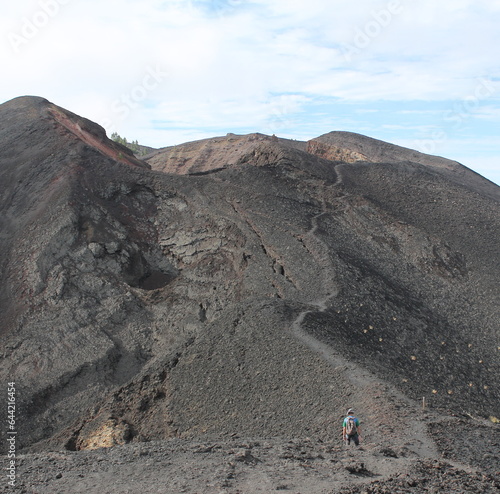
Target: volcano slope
245,286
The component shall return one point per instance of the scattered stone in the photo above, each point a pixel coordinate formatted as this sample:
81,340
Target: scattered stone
221,289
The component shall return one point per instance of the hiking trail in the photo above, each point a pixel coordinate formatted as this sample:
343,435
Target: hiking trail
369,388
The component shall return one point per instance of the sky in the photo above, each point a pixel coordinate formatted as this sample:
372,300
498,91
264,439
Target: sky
422,74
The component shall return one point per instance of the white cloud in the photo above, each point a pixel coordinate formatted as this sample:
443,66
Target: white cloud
251,64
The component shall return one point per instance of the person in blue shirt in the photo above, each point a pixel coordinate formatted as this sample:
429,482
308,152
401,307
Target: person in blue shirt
351,429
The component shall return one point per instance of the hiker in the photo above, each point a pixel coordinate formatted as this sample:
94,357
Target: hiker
351,428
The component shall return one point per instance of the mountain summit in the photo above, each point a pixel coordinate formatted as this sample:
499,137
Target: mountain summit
239,285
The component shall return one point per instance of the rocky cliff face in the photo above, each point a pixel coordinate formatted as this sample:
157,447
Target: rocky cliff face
245,284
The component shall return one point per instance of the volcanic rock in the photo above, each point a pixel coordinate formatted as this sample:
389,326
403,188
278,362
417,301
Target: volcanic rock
243,285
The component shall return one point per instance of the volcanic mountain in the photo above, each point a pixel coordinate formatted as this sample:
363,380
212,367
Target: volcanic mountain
241,285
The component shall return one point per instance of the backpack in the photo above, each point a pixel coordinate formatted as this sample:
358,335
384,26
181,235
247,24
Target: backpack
350,427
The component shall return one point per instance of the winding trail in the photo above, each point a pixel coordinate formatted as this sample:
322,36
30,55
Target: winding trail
383,404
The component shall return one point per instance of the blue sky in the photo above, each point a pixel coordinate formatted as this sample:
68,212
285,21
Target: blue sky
419,74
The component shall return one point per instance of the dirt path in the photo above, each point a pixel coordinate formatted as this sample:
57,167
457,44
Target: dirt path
383,405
